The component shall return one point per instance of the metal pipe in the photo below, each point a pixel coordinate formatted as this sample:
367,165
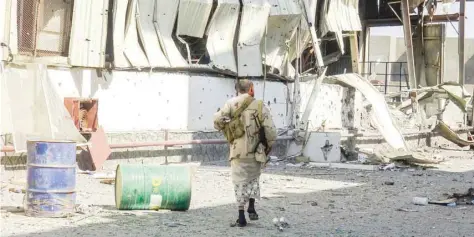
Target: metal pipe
462,17
161,143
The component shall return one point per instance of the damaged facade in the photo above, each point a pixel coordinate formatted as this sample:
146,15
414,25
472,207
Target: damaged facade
155,66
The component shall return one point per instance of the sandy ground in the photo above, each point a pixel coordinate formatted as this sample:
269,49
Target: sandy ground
315,201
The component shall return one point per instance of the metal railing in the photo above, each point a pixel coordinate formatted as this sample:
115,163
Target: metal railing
372,69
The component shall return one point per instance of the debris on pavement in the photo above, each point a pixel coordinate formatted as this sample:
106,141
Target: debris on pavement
421,201
406,210
107,181
17,190
280,223
108,175
87,209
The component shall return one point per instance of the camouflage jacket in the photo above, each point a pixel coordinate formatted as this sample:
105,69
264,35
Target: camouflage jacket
245,146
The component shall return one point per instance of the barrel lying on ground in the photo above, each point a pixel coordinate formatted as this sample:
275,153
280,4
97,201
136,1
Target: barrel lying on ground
51,178
153,187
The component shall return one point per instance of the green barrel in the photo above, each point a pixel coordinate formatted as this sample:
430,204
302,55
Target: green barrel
153,187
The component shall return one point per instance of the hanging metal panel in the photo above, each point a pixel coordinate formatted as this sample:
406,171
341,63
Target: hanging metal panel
253,22
132,48
120,13
193,16
338,16
148,35
166,12
88,33
221,33
310,10
284,17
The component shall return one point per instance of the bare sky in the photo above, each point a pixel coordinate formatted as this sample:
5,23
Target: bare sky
450,30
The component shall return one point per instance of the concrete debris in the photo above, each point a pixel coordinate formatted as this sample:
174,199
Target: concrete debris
281,223
392,159
87,209
421,201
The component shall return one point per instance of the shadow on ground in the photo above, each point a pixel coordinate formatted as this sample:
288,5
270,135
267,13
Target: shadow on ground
371,209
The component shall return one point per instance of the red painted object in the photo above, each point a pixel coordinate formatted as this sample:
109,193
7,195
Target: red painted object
83,112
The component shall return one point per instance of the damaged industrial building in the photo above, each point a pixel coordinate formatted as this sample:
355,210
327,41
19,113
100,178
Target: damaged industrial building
138,81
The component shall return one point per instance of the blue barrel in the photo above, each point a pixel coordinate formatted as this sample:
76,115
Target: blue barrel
51,179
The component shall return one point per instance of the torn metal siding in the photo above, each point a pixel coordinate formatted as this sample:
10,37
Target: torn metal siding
88,33
338,16
193,16
284,17
148,35
253,23
221,33
132,49
166,12
310,10
120,12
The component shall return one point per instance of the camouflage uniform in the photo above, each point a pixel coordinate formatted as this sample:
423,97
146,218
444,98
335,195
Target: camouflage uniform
245,157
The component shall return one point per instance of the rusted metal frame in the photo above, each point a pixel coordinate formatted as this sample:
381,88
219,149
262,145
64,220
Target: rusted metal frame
393,10
354,53
37,16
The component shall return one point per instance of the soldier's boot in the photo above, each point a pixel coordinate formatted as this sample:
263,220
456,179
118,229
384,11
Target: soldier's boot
251,210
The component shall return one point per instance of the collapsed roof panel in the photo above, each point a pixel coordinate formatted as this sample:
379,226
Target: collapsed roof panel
252,28
193,16
220,35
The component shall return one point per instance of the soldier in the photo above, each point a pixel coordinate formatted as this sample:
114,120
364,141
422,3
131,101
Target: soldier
249,129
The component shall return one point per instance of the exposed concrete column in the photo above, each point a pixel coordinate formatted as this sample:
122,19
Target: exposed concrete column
408,44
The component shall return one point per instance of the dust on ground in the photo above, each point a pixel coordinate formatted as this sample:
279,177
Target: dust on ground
314,201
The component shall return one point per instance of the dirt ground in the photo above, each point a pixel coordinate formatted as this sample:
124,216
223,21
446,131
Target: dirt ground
315,201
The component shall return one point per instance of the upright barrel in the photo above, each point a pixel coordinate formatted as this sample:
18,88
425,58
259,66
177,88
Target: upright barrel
153,187
51,178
